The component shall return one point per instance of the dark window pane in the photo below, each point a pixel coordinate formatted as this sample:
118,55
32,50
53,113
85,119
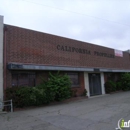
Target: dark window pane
23,79
74,77
14,80
32,80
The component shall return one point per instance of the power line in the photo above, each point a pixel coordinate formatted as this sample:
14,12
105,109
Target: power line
78,13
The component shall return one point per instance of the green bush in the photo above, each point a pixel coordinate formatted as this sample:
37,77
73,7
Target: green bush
57,88
110,86
84,92
60,86
118,85
122,84
125,79
49,91
26,96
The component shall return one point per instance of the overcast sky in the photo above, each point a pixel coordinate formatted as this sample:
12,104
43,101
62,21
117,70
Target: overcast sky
102,22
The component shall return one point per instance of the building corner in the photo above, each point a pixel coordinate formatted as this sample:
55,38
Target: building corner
1,58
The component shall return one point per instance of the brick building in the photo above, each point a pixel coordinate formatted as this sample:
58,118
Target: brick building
28,55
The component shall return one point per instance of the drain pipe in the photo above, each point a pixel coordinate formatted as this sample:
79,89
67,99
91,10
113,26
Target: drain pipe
4,59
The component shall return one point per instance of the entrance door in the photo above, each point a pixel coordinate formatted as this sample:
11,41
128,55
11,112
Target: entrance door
94,84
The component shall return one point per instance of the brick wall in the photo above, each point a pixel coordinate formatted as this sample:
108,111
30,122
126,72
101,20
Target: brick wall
32,47
40,75
27,46
78,91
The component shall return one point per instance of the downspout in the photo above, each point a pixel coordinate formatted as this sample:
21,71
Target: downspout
4,57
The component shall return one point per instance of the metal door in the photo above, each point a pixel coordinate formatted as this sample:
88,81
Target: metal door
94,84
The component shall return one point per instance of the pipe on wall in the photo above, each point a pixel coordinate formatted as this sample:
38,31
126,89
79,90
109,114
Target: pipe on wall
4,59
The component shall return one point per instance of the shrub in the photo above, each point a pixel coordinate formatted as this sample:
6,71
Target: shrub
57,88
118,85
125,79
84,92
26,96
110,86
60,86
49,91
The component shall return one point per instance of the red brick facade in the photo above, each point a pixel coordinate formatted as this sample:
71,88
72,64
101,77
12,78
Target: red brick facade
80,89
32,47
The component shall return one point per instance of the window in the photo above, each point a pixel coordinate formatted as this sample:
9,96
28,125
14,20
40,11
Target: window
74,77
23,79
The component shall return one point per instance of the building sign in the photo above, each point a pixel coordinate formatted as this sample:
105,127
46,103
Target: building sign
73,49
118,53
84,51
104,54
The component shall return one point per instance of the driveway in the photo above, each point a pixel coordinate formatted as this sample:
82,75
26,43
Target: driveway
98,113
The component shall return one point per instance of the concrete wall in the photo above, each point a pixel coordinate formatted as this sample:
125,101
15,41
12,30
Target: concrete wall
86,79
1,57
102,83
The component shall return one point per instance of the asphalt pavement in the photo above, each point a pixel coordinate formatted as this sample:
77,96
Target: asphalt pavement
96,113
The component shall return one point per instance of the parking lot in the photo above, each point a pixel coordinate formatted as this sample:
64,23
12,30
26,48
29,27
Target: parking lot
96,113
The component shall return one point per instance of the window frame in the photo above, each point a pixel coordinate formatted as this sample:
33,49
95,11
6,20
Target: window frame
18,73
74,73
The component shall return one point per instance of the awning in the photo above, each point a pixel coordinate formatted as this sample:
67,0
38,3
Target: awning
19,66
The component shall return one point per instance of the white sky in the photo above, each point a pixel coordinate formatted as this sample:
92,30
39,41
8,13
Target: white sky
102,22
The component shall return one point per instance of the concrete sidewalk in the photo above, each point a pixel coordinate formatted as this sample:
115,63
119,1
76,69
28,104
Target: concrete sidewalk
100,113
